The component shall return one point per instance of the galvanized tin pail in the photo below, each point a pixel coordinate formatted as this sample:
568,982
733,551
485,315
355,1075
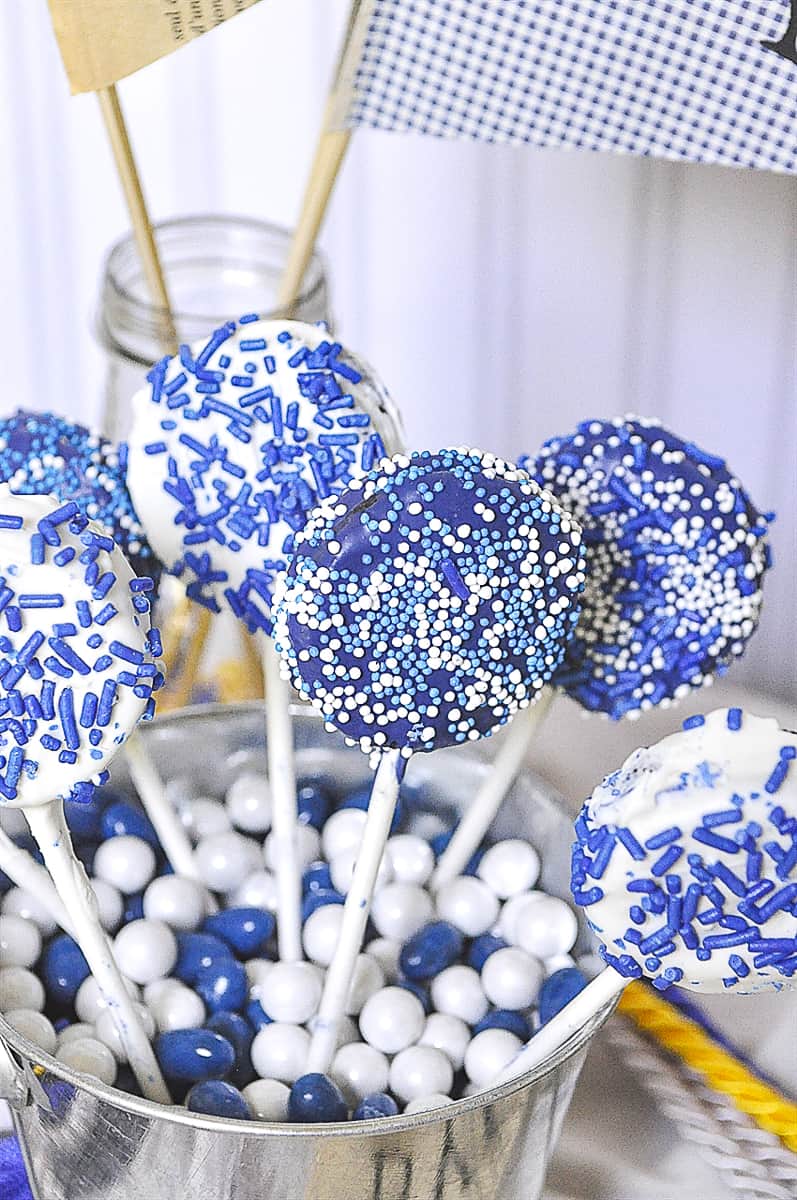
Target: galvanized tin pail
85,1141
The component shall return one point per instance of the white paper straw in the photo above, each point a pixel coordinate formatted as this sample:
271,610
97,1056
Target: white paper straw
381,808
48,826
480,814
26,873
551,1037
284,807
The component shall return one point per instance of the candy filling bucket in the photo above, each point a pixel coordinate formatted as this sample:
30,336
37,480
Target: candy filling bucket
84,1139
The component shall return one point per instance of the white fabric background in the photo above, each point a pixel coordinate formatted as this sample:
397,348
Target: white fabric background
504,293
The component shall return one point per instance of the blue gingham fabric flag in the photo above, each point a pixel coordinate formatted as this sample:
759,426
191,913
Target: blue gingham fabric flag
709,81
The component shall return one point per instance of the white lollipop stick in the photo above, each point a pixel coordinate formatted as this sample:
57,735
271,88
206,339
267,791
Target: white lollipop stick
26,873
602,990
480,814
48,826
381,808
284,809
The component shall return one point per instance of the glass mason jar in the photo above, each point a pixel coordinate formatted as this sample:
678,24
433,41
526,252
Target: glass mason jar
216,268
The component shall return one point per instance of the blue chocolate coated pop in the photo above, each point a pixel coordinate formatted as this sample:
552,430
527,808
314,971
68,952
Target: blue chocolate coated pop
430,601
676,553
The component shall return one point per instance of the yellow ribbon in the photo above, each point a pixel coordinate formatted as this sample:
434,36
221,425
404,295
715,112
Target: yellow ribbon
722,1072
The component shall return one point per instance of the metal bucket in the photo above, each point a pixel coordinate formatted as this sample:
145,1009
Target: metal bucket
85,1141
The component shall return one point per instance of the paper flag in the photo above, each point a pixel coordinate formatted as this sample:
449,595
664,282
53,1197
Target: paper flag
711,81
101,41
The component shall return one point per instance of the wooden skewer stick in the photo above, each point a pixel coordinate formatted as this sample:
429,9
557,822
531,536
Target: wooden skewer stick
330,152
114,120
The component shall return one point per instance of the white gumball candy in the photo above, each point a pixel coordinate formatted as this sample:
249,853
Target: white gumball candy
343,830
89,1056
74,1033
106,1030
558,962
20,988
511,978
427,1104
488,1054
512,913
321,932
279,1051
392,1019
341,871
360,1070
510,867
547,927
20,941
468,904
308,847
248,803
110,905
368,978
258,890
202,817
177,1008
19,902
420,1071
145,950
90,1001
126,862
387,952
411,858
179,902
224,859
34,1026
346,1034
458,992
449,1034
267,1099
290,992
400,909
256,971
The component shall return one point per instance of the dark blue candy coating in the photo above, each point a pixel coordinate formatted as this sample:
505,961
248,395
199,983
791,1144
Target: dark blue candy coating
374,1107
245,930
317,878
558,990
505,1018
680,598
430,950
120,819
196,951
238,1032
314,805
190,1055
217,1099
84,467
314,1098
317,899
482,947
444,586
63,968
222,985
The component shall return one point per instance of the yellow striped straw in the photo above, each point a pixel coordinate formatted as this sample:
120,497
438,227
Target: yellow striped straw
684,1038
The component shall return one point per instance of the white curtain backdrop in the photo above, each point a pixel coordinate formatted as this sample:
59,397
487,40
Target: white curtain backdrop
503,293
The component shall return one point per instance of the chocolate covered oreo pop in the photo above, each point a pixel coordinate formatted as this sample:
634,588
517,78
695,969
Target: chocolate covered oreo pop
676,554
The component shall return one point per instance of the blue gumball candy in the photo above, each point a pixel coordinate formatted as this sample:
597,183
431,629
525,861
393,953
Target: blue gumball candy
317,878
63,969
192,1055
558,990
505,1018
121,818
217,1099
430,950
196,951
317,899
222,986
239,1033
375,1107
245,930
134,908
257,1016
313,805
417,989
482,947
314,1099
84,818
361,798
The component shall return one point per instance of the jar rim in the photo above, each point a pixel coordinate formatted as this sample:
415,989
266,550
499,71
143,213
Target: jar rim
140,312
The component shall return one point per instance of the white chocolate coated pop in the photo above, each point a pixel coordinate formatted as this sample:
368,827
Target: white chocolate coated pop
686,860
